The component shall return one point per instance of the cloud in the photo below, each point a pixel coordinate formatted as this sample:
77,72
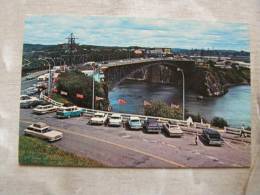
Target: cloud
124,31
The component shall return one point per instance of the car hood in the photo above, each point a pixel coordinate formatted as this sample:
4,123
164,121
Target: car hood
53,133
115,120
135,123
97,119
176,130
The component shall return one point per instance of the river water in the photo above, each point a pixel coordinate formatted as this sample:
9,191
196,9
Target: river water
233,106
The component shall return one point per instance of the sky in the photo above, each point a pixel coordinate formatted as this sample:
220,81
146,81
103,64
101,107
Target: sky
145,32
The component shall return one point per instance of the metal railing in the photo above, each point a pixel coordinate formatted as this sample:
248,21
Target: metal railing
237,131
90,112
48,99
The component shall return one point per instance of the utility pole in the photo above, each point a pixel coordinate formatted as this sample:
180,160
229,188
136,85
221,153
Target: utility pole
71,46
183,93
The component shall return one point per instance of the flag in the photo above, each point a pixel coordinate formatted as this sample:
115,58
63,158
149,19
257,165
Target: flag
54,90
79,96
121,101
99,98
63,93
147,103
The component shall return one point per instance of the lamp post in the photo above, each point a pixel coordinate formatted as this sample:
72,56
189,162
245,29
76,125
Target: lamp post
49,79
183,93
93,87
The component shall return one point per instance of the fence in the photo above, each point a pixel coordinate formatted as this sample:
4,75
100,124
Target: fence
237,131
201,125
46,98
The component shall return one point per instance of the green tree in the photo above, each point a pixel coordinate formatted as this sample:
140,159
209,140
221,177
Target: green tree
75,82
219,122
161,109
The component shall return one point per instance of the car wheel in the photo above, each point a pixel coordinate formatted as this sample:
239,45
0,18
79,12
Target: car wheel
68,116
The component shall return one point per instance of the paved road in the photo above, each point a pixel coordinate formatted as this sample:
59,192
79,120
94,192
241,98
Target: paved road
117,147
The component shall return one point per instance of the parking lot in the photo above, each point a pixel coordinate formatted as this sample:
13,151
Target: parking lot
118,147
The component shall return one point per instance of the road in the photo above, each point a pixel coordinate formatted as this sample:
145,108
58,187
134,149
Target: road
117,147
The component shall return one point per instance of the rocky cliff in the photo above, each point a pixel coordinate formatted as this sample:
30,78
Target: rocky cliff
215,81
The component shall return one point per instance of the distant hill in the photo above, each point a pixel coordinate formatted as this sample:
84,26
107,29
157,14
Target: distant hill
36,47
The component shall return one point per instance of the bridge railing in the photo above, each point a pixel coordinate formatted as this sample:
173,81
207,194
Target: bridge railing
90,112
126,116
237,131
46,98
201,125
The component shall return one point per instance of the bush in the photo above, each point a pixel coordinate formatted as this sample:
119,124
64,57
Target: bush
219,122
161,109
74,82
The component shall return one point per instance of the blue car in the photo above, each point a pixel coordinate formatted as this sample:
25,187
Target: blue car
67,112
152,126
134,123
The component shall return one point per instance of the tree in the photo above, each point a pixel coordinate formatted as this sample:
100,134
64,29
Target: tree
219,122
161,109
75,82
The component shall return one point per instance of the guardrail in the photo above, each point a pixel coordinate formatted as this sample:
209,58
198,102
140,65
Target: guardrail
46,98
237,131
201,125
126,116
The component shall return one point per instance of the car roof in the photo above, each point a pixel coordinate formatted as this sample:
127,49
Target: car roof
152,120
40,124
101,113
134,118
116,115
211,131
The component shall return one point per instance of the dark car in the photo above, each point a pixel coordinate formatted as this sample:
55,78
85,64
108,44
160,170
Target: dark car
152,126
212,137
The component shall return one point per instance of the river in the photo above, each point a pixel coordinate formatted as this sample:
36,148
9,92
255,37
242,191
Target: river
234,106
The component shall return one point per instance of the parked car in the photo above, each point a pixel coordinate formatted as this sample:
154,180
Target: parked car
43,131
212,137
99,118
43,109
29,77
152,126
28,101
31,91
173,130
134,123
115,120
67,112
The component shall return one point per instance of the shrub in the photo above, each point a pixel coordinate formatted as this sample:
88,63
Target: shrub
161,109
219,122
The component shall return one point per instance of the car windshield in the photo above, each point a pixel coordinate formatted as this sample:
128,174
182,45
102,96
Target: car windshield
135,121
115,117
99,115
45,130
214,136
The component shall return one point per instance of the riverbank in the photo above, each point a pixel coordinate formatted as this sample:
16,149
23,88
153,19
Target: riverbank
234,106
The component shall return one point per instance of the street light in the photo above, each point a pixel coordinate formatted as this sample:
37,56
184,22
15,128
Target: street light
49,79
93,86
183,93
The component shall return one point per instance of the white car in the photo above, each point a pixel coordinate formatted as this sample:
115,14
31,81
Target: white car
173,130
28,101
99,118
43,131
43,109
115,120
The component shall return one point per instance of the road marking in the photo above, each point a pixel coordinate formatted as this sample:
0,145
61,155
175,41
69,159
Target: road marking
171,145
117,145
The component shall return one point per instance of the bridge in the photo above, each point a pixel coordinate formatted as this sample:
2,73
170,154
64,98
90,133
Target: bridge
117,71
